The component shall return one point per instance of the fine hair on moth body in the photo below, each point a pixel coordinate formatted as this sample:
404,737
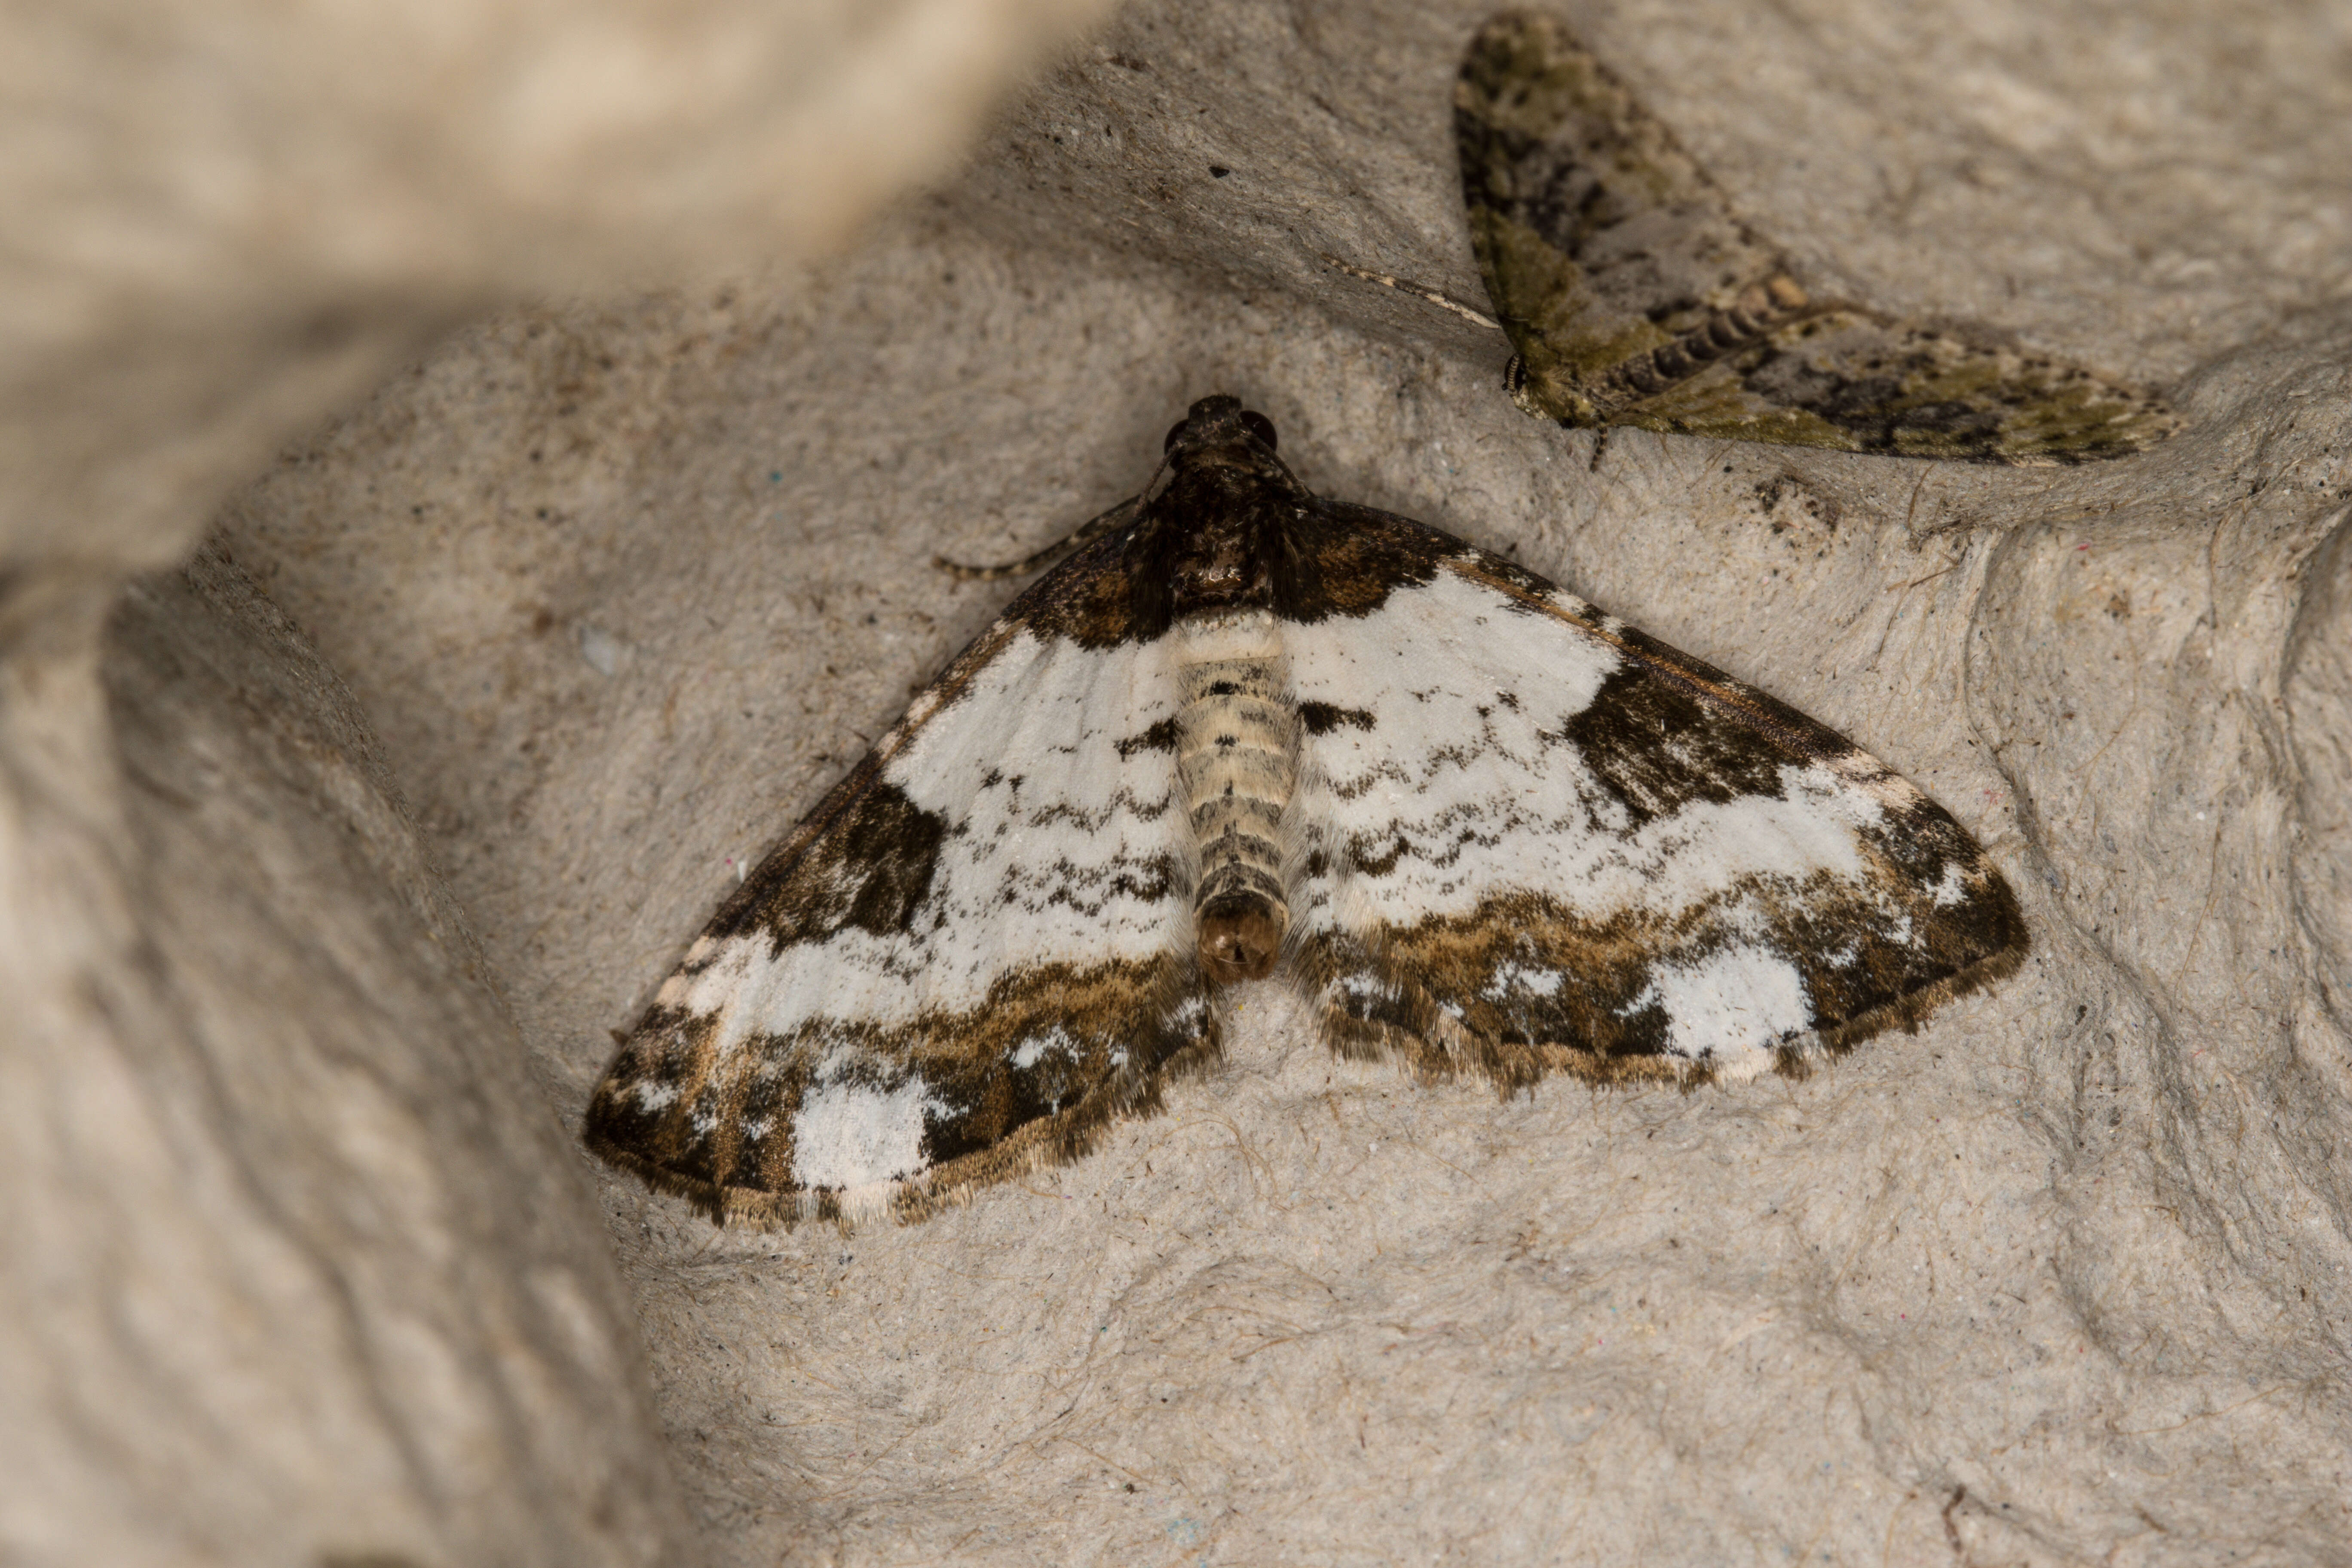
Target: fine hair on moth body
1237,761
1237,725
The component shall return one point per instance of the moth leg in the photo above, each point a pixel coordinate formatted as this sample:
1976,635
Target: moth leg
1086,534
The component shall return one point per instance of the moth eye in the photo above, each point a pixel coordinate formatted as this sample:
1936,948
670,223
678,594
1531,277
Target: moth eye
1173,431
1259,426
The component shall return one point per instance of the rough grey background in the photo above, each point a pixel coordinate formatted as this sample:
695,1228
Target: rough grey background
2060,1279
299,1267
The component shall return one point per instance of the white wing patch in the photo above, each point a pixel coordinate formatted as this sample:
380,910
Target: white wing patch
1463,782
848,1135
1056,842
1466,786
1731,1010
1458,684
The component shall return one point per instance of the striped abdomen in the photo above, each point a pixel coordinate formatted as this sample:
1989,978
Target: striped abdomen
1236,761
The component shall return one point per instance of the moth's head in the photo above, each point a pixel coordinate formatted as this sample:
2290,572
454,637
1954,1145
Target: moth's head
1218,430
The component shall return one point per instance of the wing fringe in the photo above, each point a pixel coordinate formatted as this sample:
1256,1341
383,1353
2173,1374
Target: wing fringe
1437,1047
1040,1145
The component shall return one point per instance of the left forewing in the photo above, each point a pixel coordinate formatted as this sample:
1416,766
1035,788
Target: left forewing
972,954
1532,838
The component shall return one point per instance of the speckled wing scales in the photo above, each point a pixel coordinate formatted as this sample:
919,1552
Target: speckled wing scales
1635,294
1251,732
972,954
1531,839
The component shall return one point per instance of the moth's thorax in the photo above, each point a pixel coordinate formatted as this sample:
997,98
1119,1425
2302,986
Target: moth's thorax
1224,509
1237,763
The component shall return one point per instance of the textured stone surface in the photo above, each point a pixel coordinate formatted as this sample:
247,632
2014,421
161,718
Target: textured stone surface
300,1268
2076,1239
227,219
2061,1279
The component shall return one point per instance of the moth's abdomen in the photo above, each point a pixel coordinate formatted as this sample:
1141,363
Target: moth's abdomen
1236,763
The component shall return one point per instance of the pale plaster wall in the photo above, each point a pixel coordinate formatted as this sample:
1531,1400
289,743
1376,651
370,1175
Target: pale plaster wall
299,1266
621,586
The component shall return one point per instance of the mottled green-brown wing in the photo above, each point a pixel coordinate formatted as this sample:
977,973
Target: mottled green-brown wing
1635,295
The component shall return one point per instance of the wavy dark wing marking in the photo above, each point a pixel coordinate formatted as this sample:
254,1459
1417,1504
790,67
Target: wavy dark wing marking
974,952
1534,839
1635,295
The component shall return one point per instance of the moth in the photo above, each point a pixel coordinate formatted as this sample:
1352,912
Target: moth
1635,294
1246,732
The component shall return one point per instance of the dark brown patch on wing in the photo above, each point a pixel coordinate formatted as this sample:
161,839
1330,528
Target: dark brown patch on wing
1658,747
1160,737
1116,590
1341,560
1800,737
869,871
1322,718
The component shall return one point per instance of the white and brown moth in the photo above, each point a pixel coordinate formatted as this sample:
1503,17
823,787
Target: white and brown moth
1247,732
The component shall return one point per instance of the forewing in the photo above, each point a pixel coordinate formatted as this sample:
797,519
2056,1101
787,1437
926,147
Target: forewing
973,953
1853,379
1534,839
1598,238
1635,295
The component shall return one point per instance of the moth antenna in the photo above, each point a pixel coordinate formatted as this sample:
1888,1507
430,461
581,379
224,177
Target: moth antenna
1086,534
1437,297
